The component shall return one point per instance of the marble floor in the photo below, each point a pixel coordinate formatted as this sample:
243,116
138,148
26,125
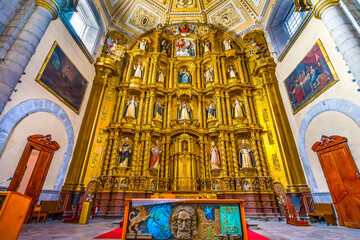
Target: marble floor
270,229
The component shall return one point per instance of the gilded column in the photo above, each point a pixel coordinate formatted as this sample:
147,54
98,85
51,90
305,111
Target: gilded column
216,70
171,78
117,106
255,149
114,150
221,79
200,112
146,72
223,70
108,153
153,75
141,108
253,112
218,108
168,113
244,68
223,109
130,69
262,154
146,159
202,162
141,154
241,70
228,156
167,157
76,173
136,157
234,155
228,108
198,74
294,173
223,155
247,107
122,106
144,120
165,112
151,106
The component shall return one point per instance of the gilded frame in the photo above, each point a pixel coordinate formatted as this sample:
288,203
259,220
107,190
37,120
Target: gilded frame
332,71
40,74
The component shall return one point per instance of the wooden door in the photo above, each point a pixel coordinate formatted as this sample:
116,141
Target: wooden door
47,148
342,177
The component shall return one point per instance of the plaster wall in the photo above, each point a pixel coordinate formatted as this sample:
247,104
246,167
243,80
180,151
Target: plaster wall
44,123
41,123
327,123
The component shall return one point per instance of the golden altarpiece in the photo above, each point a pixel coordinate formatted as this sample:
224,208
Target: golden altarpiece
189,111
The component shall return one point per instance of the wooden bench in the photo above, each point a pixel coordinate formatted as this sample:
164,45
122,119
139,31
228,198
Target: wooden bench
39,214
326,211
291,216
51,208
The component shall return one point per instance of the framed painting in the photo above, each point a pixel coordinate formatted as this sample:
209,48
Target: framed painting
311,77
60,77
185,47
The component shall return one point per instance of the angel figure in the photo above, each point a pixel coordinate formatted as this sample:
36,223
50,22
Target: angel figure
131,108
143,44
184,112
246,158
138,70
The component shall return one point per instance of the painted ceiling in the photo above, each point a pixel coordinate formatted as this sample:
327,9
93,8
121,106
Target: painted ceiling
234,16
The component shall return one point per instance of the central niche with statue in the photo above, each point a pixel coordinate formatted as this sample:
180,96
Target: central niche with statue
186,118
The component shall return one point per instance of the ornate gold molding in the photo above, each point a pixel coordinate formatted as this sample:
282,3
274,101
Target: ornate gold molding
321,5
302,5
51,6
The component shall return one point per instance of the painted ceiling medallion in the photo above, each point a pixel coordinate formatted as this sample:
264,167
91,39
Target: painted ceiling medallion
228,17
185,4
143,19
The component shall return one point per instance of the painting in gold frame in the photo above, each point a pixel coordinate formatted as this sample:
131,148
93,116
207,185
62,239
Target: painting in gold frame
59,76
311,77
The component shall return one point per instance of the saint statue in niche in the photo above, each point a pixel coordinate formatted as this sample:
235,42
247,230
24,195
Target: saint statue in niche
211,111
143,44
155,155
160,76
231,72
131,108
227,44
184,112
164,46
158,110
138,70
214,157
238,109
246,158
209,75
206,46
184,76
125,153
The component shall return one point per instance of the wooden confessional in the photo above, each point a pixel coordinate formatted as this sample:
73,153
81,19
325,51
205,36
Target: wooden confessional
342,177
31,171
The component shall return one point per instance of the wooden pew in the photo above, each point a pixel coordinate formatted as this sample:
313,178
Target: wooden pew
325,210
51,208
291,216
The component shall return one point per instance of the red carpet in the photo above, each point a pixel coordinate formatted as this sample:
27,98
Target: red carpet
116,234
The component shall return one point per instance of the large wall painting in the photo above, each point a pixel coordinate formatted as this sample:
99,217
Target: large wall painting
185,47
60,77
312,76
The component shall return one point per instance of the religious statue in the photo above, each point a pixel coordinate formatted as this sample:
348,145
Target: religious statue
143,44
227,44
184,112
246,158
261,48
153,185
155,155
211,111
158,110
125,153
206,46
164,46
131,108
184,76
246,186
138,70
123,184
160,76
214,157
238,109
184,222
231,72
209,75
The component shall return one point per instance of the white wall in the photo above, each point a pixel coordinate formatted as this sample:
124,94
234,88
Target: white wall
328,123
45,123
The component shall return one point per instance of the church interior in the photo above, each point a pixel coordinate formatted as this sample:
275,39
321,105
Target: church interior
179,119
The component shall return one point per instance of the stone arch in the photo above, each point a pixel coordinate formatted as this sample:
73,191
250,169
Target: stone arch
338,105
22,110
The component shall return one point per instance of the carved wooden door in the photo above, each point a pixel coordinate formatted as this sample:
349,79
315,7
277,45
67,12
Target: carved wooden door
342,177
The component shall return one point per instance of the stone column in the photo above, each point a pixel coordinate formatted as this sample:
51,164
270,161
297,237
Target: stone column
293,170
340,29
17,58
74,180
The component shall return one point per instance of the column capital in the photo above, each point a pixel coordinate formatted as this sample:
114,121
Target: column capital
264,68
51,5
106,63
321,5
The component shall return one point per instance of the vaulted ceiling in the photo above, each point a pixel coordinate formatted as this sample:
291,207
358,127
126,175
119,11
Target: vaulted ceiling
234,16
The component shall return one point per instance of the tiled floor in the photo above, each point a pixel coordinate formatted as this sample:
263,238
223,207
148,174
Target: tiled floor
273,230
